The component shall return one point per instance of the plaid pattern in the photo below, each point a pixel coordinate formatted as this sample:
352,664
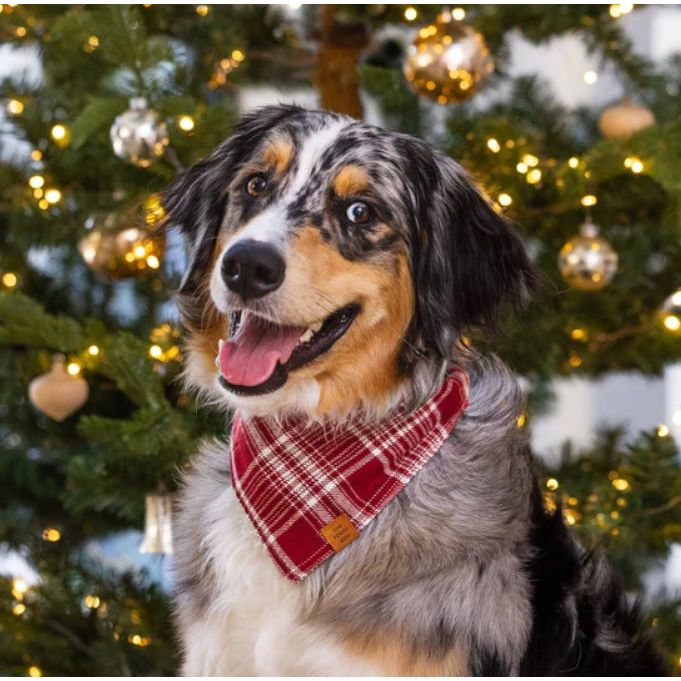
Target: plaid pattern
293,479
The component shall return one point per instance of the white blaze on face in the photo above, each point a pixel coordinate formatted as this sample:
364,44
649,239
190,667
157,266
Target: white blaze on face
270,226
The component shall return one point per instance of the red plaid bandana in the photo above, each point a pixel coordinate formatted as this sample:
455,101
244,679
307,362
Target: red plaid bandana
309,490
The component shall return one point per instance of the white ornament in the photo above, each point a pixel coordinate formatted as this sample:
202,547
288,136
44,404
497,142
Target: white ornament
57,393
138,135
158,533
587,261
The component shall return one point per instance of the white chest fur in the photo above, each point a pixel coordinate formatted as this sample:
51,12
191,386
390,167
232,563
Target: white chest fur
255,624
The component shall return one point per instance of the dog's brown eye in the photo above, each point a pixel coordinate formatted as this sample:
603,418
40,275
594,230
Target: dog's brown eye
256,185
359,213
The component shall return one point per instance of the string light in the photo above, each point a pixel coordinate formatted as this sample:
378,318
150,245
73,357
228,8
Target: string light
533,176
505,199
43,205
578,334
51,534
202,10
573,162
153,262
590,77
155,351
410,14
36,181
521,167
620,484
52,196
34,671
238,55
20,31
552,484
521,421
137,640
91,601
15,107
60,134
575,361
93,350
19,609
458,14
634,164
588,200
186,123
530,160
36,155
493,145
620,9
9,279
73,368
672,322
19,586
570,516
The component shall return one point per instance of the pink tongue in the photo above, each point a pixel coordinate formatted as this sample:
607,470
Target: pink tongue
251,357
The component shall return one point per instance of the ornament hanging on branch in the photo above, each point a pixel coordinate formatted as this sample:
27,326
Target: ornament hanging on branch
448,61
624,119
117,250
158,534
58,393
138,135
587,261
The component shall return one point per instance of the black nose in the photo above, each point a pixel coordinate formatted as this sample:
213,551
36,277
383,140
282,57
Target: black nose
252,269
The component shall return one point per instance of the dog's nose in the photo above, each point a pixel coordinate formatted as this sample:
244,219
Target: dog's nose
253,269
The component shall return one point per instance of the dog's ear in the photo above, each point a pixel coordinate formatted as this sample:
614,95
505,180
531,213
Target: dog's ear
468,259
195,200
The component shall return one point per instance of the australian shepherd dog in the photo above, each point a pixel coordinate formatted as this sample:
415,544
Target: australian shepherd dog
344,265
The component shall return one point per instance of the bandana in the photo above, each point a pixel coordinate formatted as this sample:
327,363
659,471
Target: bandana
309,490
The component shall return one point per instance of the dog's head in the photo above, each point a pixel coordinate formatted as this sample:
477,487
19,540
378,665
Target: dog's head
334,265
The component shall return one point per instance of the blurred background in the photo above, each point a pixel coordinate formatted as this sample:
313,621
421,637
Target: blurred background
569,117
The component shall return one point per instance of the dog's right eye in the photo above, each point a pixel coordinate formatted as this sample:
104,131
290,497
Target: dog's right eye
256,185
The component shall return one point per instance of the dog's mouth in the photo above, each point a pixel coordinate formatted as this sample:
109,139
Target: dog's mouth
259,355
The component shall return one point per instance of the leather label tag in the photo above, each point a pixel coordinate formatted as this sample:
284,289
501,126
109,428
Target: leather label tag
340,532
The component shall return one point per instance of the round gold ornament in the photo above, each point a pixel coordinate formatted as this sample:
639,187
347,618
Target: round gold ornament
448,61
624,119
58,394
587,261
118,252
670,312
138,135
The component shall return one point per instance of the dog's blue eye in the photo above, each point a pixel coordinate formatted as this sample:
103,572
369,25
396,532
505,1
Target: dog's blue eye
256,185
359,213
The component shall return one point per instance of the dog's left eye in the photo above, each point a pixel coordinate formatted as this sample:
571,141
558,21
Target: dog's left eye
256,185
359,213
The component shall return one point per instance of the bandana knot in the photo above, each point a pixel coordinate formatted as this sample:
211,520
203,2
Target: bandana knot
310,489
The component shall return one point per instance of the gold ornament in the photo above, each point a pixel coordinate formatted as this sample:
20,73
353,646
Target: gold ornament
138,135
158,534
58,393
670,312
587,261
448,61
118,253
624,119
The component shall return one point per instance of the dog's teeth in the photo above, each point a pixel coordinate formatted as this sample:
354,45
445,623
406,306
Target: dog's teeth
316,326
217,357
306,336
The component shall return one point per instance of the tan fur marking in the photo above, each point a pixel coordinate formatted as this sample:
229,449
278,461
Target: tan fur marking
396,658
350,179
278,153
362,366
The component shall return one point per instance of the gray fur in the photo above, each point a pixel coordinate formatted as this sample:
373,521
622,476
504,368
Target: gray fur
442,564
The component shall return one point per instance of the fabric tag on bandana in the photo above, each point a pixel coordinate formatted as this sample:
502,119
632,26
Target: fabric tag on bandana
309,490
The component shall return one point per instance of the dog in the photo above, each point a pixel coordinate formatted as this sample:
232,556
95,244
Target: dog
335,271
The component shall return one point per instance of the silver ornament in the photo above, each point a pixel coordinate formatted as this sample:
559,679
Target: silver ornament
588,261
138,135
448,61
158,532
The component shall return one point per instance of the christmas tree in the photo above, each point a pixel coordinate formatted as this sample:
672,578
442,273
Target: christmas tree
123,98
